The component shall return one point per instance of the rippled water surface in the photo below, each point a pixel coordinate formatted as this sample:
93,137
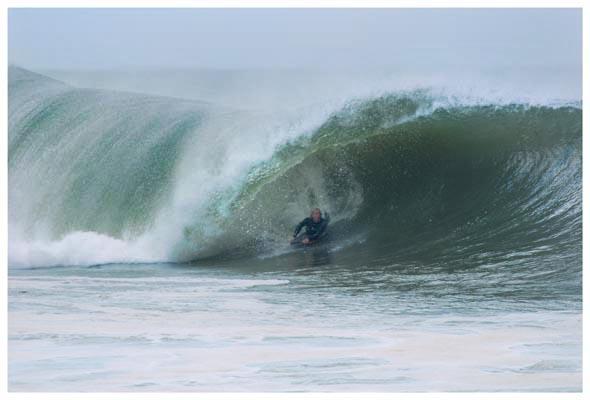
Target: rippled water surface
316,327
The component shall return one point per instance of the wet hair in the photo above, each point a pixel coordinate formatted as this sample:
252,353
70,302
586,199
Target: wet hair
314,210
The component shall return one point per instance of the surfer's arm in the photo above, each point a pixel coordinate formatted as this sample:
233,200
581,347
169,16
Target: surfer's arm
299,227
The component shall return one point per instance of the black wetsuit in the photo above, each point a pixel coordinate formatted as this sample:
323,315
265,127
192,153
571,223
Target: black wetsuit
313,230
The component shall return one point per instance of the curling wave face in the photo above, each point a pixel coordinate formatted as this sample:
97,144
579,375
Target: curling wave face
98,176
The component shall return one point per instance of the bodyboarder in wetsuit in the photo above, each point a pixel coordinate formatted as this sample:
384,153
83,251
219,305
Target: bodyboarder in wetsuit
315,227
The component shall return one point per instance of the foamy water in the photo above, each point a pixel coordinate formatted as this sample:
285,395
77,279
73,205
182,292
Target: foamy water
167,328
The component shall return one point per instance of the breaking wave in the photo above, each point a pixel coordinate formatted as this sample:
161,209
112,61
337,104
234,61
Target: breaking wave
100,176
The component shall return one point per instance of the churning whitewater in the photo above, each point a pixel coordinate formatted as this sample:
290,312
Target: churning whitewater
101,176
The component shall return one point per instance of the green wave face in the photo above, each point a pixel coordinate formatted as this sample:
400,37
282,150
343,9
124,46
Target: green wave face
89,160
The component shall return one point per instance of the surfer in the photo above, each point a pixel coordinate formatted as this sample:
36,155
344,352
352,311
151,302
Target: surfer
315,227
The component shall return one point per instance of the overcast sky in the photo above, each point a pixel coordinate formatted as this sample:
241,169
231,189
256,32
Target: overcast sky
300,38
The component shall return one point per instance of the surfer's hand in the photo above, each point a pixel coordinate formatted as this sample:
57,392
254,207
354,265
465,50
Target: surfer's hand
305,241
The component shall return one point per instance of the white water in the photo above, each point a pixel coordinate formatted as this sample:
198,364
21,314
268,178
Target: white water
194,330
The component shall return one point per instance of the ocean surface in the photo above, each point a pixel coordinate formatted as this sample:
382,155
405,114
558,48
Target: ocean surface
149,214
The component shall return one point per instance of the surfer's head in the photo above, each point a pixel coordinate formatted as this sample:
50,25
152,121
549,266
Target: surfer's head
316,215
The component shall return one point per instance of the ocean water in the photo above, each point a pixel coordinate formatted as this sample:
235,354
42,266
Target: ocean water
148,227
